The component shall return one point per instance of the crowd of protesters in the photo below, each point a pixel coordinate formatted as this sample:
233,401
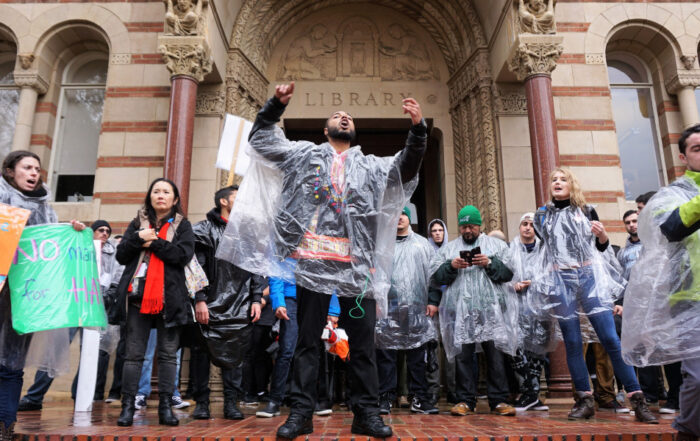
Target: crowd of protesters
463,318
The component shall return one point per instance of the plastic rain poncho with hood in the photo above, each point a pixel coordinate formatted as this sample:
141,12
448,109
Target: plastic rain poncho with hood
445,237
406,325
662,303
335,213
46,350
574,276
473,308
536,329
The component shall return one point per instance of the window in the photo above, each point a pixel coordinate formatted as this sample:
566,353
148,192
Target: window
9,101
635,121
77,134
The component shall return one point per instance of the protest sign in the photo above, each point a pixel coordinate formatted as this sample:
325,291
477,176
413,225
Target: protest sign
12,221
54,281
234,141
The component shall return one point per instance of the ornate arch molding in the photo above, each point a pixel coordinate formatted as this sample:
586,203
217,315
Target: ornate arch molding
456,29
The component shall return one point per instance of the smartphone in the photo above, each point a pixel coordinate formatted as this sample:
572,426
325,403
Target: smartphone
465,255
476,251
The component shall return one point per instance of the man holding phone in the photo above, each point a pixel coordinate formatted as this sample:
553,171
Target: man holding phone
475,308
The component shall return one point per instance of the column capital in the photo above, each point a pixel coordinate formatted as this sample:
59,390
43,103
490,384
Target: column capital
31,79
682,80
535,55
186,55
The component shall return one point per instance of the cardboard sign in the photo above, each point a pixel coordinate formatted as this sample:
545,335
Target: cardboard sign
54,280
12,221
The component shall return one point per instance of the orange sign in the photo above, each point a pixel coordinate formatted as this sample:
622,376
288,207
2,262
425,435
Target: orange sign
12,220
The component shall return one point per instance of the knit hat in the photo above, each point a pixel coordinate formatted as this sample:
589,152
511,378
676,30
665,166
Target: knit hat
407,212
101,223
527,216
469,215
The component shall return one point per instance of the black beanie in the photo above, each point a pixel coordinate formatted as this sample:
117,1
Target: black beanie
101,223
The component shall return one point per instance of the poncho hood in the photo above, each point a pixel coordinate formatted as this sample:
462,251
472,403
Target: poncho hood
445,239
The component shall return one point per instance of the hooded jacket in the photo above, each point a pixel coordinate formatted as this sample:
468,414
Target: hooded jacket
229,295
176,254
445,238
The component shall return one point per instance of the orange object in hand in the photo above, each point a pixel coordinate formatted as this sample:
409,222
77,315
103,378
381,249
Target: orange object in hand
336,341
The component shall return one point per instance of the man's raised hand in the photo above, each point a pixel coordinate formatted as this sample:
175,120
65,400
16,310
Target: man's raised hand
284,92
412,107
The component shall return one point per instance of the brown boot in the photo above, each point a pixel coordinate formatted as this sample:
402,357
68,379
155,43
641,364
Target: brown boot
584,407
641,409
6,432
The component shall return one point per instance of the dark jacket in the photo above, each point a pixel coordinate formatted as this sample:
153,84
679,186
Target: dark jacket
497,271
230,293
175,255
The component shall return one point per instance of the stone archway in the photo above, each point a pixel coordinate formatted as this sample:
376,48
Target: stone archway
471,165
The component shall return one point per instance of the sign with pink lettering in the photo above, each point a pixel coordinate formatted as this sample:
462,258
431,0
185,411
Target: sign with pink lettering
54,282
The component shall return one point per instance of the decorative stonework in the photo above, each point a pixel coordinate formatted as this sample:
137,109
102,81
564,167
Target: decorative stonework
595,58
682,80
536,16
187,56
120,59
534,55
246,86
31,79
510,102
25,60
688,61
210,103
186,17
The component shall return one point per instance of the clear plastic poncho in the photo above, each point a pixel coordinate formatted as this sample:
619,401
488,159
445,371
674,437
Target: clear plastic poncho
406,325
661,322
574,277
536,328
473,308
336,216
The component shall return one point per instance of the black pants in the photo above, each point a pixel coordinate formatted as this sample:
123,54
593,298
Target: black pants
138,328
118,370
415,367
257,364
649,381
200,366
466,383
362,367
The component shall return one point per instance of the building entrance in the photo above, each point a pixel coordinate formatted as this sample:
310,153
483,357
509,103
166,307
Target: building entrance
385,137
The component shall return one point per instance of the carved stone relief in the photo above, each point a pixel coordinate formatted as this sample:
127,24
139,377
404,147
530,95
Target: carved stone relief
210,103
31,79
536,16
681,80
510,102
185,17
186,56
120,59
688,61
25,60
535,56
357,49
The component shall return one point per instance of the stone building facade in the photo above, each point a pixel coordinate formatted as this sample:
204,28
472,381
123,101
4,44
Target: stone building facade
98,89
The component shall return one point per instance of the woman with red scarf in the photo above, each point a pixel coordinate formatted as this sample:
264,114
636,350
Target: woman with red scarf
152,293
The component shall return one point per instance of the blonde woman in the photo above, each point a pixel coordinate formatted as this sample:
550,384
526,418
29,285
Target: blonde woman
574,241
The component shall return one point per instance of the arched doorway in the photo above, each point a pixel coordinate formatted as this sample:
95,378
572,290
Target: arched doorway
363,57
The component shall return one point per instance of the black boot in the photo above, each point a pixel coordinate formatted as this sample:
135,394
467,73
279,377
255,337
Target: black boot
231,410
201,411
641,409
584,407
370,424
295,425
126,418
165,411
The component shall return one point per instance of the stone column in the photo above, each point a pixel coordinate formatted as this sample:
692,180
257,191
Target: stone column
533,59
31,86
683,86
187,59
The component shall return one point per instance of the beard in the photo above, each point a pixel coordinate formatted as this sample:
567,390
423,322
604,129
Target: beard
342,135
469,239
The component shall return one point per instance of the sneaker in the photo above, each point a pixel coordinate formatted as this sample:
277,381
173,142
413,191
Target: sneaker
613,406
540,406
525,402
140,402
503,409
461,409
178,402
423,406
384,406
112,399
26,405
670,407
271,410
250,401
323,409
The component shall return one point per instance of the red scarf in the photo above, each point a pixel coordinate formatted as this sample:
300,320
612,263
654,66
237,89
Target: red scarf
153,292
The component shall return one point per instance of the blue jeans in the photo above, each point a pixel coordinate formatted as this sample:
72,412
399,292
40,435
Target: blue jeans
578,289
289,330
147,369
42,380
10,390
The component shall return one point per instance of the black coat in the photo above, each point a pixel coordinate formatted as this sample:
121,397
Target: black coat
230,293
175,255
